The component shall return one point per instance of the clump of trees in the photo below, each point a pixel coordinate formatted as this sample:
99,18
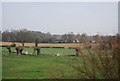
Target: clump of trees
25,35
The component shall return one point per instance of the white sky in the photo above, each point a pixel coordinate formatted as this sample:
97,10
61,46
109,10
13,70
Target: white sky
59,0
61,17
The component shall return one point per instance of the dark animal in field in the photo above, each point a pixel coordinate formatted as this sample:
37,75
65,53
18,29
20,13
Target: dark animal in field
37,49
9,49
36,44
13,45
19,50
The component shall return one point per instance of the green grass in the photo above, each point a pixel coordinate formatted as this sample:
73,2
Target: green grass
51,51
36,67
43,66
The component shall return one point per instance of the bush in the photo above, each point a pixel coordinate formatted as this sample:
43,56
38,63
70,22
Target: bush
97,64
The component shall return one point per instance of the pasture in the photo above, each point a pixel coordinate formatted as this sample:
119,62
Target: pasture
35,67
48,66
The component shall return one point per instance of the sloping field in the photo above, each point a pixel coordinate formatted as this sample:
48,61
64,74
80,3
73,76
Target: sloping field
66,45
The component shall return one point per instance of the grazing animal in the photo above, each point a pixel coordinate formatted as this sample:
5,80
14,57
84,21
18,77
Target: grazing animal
9,49
58,54
19,50
38,50
24,53
13,45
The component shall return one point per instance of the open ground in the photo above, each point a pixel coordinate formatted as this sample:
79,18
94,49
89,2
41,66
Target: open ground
48,66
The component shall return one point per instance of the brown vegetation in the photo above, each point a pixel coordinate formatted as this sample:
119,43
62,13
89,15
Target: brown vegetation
101,63
66,45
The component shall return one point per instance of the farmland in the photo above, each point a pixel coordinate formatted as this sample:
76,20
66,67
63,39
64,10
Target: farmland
46,66
50,40
36,67
66,45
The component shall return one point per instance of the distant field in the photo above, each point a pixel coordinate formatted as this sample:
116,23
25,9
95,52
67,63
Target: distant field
66,45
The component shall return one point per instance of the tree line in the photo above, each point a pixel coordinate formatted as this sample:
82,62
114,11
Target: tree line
24,35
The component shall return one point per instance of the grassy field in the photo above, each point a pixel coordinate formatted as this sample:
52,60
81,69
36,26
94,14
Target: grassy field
46,67
51,51
32,67
35,67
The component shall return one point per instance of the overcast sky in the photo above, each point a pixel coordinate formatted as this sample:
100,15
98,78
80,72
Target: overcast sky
61,17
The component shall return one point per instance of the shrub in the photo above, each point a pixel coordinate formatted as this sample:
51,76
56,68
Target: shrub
98,63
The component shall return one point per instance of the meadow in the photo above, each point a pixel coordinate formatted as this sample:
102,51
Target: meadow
48,66
34,66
